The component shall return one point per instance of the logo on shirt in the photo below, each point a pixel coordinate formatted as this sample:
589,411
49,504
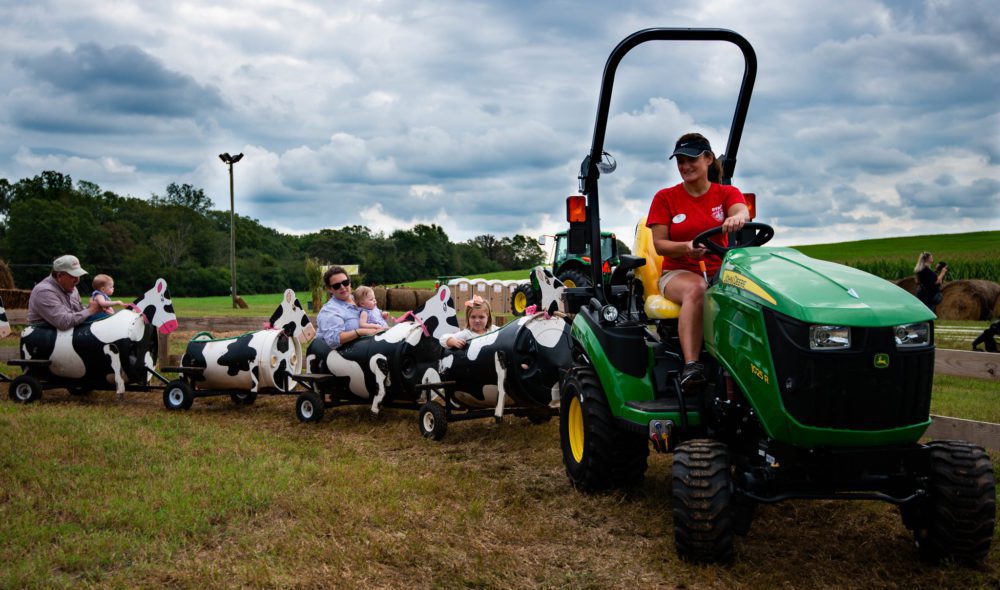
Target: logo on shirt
679,218
717,213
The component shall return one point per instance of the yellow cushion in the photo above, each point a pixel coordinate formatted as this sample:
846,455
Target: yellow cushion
657,306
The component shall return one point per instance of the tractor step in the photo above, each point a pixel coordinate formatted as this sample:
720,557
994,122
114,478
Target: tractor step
656,405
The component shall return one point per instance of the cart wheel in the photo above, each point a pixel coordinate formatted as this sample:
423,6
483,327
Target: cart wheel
178,395
25,389
243,398
536,419
433,421
309,407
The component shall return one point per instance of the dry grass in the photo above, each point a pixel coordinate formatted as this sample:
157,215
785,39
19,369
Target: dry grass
99,493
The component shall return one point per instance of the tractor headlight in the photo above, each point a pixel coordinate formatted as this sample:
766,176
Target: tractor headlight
909,335
829,337
609,313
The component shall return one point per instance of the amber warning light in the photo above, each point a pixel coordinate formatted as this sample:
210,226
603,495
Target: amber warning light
576,208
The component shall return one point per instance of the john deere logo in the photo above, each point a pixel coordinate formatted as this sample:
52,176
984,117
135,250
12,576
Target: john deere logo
881,360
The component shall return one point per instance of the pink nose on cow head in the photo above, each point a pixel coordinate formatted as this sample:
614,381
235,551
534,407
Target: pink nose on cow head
168,326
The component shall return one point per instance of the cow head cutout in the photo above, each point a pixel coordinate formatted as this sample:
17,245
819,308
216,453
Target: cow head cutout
292,319
438,313
156,305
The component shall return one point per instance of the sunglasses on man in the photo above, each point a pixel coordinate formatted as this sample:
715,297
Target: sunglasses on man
344,283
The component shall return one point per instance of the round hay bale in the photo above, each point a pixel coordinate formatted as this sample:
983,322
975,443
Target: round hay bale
422,295
907,283
967,300
15,298
6,279
401,299
380,297
996,308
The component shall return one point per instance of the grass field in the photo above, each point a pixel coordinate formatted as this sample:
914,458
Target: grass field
96,493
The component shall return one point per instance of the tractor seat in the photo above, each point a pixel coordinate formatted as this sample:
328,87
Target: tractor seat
656,306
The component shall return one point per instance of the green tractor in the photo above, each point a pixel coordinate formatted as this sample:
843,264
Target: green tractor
819,381
572,269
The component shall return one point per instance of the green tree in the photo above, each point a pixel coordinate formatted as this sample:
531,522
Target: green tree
184,195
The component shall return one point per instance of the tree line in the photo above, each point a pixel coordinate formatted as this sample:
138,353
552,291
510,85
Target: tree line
180,237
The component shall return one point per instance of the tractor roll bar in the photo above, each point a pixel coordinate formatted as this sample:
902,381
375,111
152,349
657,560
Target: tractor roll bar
589,172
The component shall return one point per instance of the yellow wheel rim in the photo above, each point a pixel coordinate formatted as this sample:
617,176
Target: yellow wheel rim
575,428
520,302
569,284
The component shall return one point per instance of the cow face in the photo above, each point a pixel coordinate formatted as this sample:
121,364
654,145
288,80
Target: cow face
292,319
438,313
552,290
4,324
156,305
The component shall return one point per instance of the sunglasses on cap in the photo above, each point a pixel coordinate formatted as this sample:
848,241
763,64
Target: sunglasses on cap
344,283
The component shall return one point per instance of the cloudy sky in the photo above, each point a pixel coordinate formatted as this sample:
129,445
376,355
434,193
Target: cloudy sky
869,118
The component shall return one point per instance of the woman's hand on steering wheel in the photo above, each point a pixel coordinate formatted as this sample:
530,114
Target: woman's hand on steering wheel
764,233
733,224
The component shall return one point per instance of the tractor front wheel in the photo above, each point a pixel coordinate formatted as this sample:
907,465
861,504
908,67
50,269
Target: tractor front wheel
702,502
574,278
521,298
960,514
597,454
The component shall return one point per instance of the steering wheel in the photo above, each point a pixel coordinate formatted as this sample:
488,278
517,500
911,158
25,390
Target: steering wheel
763,234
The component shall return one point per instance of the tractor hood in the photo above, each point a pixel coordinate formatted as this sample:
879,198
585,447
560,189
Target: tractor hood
816,291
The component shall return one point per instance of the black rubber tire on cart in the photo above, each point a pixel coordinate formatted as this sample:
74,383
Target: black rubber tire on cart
703,510
959,516
25,389
433,421
243,398
178,395
309,407
597,454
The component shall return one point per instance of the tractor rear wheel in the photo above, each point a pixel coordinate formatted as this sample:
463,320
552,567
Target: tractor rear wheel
702,502
521,298
960,515
597,454
574,278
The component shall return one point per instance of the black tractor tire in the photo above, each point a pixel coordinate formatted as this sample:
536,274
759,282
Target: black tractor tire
574,277
25,389
597,454
960,515
178,395
309,407
520,298
433,421
703,502
243,398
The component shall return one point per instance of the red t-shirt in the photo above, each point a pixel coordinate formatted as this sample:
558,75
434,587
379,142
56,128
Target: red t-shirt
686,217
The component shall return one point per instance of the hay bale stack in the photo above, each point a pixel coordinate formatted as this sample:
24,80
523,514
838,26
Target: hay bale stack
15,298
422,295
6,279
380,297
967,300
401,299
908,283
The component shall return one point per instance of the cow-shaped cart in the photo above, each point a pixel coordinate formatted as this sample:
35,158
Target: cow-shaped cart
116,352
515,369
387,369
263,361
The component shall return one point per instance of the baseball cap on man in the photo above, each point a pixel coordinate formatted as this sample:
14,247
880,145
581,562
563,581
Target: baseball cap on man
691,148
68,264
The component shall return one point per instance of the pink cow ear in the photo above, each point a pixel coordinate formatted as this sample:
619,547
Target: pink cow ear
443,293
160,285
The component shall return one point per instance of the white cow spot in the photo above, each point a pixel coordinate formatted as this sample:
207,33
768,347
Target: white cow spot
65,360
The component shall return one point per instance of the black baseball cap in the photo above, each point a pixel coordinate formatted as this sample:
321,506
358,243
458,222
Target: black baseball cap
691,148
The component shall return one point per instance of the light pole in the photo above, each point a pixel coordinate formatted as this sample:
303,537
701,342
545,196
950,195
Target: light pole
230,160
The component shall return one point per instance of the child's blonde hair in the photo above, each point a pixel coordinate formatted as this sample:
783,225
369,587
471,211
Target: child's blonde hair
477,303
922,261
363,292
101,281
